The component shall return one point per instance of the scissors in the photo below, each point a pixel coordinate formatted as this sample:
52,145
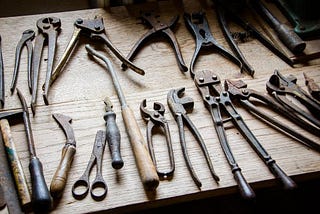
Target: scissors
99,187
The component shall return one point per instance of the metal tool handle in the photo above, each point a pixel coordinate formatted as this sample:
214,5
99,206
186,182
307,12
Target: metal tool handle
113,138
40,194
17,170
245,189
59,179
147,170
288,183
288,37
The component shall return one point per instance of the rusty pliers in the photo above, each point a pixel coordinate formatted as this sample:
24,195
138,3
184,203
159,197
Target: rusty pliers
179,107
48,28
26,40
281,88
158,27
198,25
218,102
155,119
94,29
251,99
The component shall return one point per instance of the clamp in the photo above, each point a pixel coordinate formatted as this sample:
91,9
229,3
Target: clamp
156,119
158,28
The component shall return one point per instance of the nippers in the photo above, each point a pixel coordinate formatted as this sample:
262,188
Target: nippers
94,29
26,40
226,11
155,119
158,28
198,25
252,99
48,28
281,88
179,107
218,102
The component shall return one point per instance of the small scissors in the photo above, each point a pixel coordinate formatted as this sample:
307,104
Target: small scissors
99,187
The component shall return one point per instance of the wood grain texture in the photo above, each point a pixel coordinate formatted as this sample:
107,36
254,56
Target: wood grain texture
84,83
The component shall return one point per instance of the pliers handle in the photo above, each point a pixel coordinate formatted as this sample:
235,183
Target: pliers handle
26,40
156,119
198,25
158,27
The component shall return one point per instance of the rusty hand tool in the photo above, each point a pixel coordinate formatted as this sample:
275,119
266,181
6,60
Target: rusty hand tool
179,107
224,11
112,134
158,28
60,177
26,40
98,183
287,36
155,119
313,87
14,160
198,25
3,202
94,29
2,93
41,199
282,88
251,99
146,168
218,102
49,28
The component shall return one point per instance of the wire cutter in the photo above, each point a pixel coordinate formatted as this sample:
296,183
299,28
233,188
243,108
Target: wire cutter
26,40
156,119
179,107
251,99
94,29
226,10
218,102
98,187
198,25
158,28
48,29
281,88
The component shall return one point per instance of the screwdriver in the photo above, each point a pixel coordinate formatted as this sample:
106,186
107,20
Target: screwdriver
41,199
146,168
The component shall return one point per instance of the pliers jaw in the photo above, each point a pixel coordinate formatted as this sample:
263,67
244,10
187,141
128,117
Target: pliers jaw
156,116
178,104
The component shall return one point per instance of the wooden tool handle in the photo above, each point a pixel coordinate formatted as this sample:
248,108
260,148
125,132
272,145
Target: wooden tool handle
16,167
147,170
59,179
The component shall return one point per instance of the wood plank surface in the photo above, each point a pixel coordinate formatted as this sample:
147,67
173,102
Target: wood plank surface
85,82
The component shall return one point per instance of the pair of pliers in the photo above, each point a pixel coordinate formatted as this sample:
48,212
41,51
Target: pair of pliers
179,107
218,102
155,119
251,99
280,87
198,25
158,28
26,40
227,12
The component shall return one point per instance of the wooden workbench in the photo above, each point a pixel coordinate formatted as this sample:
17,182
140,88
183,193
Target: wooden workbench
85,82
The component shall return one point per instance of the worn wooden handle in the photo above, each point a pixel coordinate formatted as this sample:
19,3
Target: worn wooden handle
16,167
59,179
146,168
